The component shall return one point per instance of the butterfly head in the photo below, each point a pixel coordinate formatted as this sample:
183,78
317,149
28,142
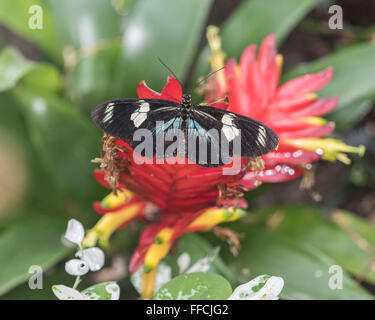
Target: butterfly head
186,99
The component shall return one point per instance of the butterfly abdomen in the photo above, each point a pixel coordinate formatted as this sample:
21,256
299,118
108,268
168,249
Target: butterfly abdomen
185,113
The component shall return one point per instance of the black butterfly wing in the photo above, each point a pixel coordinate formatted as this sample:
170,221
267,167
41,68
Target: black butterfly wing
122,118
256,138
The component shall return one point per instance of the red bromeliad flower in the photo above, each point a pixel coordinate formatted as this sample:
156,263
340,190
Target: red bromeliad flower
290,110
183,198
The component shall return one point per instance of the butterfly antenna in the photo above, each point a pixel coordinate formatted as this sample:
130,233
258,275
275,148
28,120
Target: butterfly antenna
169,69
209,75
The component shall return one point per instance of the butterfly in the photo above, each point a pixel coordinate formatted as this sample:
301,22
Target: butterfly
206,135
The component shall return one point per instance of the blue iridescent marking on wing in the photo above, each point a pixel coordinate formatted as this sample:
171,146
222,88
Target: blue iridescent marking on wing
177,123
192,124
165,126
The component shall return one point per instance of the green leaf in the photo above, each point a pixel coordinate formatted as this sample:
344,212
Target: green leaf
44,76
197,248
252,21
13,66
364,231
92,77
39,185
84,23
347,116
103,291
304,268
353,81
307,225
64,141
54,275
174,40
15,15
359,225
34,242
195,286
11,118
92,29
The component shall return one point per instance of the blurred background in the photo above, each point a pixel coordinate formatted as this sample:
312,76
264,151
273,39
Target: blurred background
54,72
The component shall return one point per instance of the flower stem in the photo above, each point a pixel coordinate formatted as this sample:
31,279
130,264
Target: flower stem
76,283
148,284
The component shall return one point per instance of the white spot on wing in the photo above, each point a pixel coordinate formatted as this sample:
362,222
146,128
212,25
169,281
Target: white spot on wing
227,119
138,120
134,115
236,131
229,129
140,115
145,107
109,112
261,138
228,132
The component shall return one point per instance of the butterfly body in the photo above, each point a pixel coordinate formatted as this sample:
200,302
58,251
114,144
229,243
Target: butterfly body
197,132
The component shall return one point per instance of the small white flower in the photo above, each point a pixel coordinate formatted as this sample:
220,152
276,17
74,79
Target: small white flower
66,293
263,287
76,267
94,257
75,232
90,259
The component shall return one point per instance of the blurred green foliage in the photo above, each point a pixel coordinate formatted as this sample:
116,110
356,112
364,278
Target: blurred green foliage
196,286
353,81
300,244
91,51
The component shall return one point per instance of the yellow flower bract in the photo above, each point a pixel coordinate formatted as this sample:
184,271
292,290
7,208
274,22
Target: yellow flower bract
329,149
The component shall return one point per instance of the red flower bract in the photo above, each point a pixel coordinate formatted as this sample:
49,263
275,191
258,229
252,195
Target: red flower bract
289,110
173,188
